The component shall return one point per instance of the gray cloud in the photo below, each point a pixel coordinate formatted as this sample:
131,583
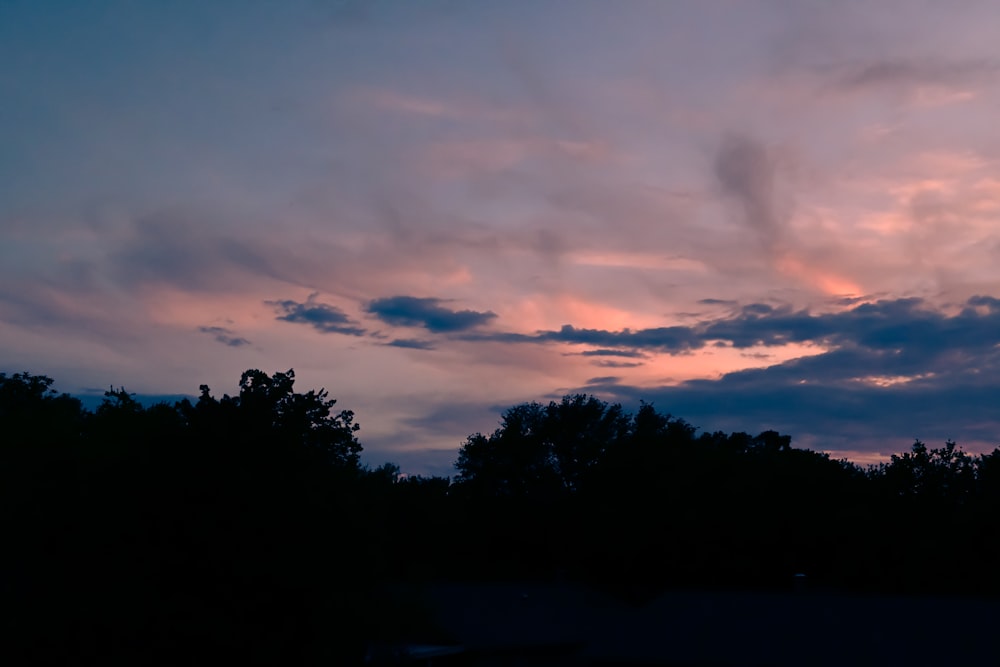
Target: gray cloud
610,363
902,72
630,354
410,311
411,344
184,248
320,316
457,417
604,380
225,336
746,173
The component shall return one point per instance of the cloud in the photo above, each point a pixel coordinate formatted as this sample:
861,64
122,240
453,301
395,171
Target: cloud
184,247
890,336
894,370
610,363
858,417
672,339
914,73
320,316
604,380
828,414
410,311
664,339
411,344
746,173
457,416
992,304
224,336
631,354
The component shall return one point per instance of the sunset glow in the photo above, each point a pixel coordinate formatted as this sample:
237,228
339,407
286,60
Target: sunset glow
435,210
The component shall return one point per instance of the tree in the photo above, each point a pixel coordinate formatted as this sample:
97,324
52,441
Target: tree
513,461
268,412
579,432
31,410
945,474
543,449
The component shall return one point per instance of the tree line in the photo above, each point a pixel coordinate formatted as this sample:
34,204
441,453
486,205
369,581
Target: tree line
246,526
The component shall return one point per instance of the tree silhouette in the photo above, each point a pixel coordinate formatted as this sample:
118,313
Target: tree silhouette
244,526
941,475
512,462
543,450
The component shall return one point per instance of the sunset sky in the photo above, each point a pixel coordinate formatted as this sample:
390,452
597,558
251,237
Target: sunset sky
752,213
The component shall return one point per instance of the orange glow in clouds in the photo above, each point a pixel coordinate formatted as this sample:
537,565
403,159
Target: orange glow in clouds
829,282
709,363
172,307
551,312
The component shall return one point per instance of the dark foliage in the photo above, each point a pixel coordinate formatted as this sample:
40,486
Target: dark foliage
244,529
187,533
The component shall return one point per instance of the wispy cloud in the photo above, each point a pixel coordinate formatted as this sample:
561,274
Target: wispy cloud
225,336
746,172
910,72
604,352
411,344
604,380
611,363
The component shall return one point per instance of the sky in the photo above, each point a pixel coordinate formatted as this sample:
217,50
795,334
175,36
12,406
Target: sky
754,214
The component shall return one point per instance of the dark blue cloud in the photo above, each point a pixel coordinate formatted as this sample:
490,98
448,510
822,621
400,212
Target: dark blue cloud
896,371
604,352
899,324
320,316
224,336
604,380
989,302
426,312
846,416
900,327
611,363
411,344
663,339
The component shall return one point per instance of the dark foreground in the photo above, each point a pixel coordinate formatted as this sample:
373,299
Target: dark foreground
564,624
244,530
